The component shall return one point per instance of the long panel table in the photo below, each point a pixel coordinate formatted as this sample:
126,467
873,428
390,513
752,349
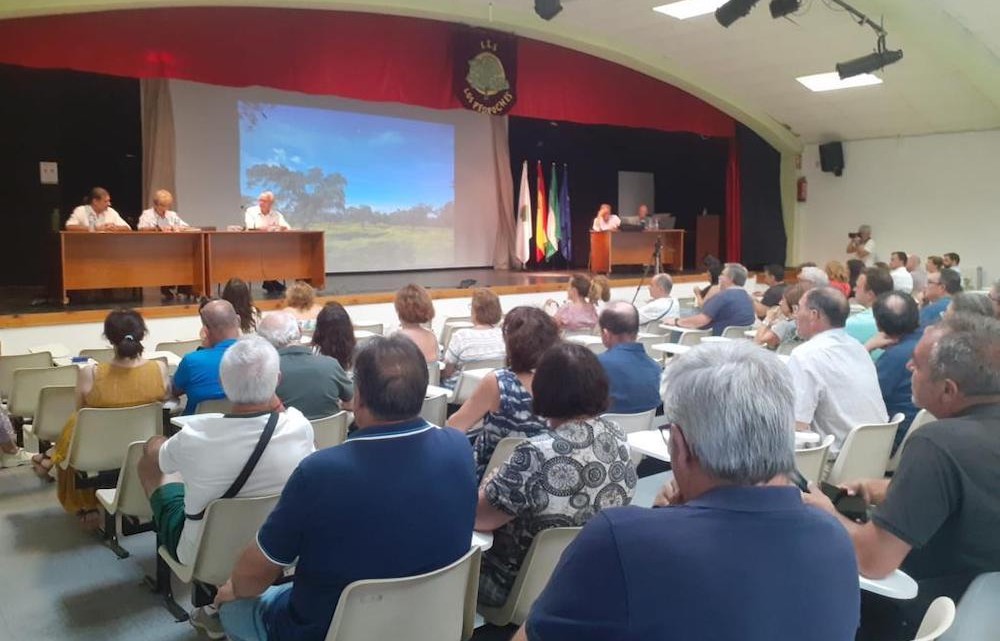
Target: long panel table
611,248
107,259
103,260
258,255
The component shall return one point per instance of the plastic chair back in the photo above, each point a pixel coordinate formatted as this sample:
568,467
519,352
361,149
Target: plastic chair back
434,373
56,350
922,418
632,422
536,570
648,339
486,363
28,384
978,617
435,606
502,452
468,379
230,524
214,406
181,348
435,409
55,405
9,364
693,337
865,453
938,618
330,431
99,354
452,323
812,461
129,497
736,332
103,435
374,328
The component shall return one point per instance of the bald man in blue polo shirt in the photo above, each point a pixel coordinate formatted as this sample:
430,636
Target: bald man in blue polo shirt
734,553
633,377
398,498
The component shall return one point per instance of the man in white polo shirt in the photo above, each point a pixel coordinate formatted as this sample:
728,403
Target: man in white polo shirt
902,281
96,214
836,386
663,305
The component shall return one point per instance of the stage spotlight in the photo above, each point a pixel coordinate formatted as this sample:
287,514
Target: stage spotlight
782,8
867,64
547,9
733,10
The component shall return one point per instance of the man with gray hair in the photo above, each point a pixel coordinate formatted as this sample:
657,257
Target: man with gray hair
915,266
197,376
638,573
862,246
936,519
813,276
205,460
731,307
633,377
662,305
836,386
312,383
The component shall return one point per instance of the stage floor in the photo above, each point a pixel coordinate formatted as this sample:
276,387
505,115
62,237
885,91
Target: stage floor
25,301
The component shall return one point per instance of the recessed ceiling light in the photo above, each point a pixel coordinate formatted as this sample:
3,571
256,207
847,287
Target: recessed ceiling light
830,81
685,9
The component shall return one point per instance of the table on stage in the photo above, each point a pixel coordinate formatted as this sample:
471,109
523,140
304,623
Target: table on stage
104,260
107,259
611,248
258,256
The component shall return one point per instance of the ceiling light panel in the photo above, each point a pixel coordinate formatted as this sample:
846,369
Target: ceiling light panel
832,81
685,9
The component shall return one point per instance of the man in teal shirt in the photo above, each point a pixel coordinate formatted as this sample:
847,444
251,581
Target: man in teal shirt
872,283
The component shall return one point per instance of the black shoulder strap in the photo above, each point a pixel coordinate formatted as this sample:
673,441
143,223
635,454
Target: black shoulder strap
248,468
665,312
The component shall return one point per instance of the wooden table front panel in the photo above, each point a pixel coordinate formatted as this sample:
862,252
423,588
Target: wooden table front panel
102,260
257,256
609,249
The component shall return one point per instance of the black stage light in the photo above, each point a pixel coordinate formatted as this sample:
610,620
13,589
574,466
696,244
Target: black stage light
782,8
867,64
547,9
733,10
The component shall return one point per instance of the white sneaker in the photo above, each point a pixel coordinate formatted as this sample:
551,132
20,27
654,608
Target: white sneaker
206,619
21,457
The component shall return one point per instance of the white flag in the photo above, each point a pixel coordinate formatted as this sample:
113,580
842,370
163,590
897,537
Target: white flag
523,241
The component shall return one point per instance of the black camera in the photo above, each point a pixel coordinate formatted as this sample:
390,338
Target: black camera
853,234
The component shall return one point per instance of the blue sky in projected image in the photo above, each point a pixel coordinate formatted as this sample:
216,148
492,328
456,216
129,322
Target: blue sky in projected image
389,163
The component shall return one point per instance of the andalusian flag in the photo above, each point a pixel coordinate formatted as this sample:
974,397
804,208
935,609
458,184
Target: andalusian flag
522,247
565,225
552,223
541,217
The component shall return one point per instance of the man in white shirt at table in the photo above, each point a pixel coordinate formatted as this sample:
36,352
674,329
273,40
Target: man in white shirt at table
263,216
836,386
96,214
605,220
160,217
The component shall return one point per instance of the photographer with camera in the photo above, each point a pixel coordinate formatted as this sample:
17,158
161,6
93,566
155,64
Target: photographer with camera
861,245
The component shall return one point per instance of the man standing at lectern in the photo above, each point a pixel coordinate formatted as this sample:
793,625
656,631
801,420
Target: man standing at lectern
263,216
605,220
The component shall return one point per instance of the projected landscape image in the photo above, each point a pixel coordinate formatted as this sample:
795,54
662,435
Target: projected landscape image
381,188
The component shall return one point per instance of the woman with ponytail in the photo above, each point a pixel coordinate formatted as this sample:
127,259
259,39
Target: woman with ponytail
579,312
126,381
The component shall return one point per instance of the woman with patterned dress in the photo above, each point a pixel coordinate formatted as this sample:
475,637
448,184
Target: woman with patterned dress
128,380
503,398
578,466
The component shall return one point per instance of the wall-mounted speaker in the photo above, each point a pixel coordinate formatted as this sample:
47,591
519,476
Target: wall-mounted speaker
831,158
547,9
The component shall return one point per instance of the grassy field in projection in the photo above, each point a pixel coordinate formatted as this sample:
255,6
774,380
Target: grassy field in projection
355,246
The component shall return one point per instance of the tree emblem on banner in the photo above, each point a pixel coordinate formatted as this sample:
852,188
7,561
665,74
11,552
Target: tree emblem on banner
485,70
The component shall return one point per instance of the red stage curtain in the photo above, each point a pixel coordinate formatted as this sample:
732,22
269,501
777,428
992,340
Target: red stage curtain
734,214
354,55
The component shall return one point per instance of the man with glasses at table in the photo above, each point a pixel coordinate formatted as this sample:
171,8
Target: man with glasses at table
729,553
